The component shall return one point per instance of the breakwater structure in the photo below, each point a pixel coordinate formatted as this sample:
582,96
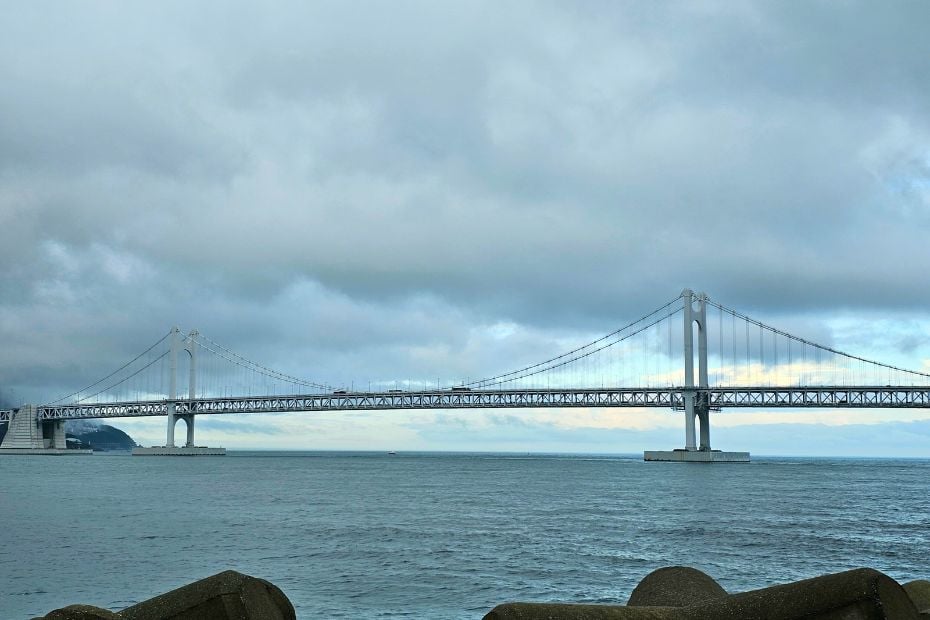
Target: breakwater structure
672,593
741,363
683,593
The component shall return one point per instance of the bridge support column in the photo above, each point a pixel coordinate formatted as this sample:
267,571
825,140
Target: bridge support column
689,422
190,431
703,416
695,394
172,420
59,438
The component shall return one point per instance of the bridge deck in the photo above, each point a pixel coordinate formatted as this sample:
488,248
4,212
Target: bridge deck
671,397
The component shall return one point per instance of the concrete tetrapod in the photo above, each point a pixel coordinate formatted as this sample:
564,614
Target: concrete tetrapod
225,596
919,591
860,594
80,612
675,586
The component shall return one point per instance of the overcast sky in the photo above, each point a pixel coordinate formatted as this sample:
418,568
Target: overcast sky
354,190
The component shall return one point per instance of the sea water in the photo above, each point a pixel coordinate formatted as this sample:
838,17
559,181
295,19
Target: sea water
443,535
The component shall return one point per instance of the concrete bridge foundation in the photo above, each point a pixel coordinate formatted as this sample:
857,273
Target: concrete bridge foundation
29,435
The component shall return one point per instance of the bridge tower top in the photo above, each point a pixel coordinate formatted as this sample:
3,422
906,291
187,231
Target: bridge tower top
695,314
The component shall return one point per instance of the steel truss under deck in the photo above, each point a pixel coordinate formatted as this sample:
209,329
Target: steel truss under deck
892,397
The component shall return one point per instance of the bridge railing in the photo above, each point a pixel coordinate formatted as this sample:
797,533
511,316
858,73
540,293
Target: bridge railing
668,398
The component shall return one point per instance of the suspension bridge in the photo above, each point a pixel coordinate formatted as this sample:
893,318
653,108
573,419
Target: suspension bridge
692,355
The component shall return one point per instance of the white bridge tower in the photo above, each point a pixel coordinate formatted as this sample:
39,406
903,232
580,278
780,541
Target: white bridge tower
695,395
178,344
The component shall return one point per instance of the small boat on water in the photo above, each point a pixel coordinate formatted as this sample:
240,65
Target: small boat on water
392,453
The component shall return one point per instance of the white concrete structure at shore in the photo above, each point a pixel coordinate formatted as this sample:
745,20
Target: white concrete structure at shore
29,435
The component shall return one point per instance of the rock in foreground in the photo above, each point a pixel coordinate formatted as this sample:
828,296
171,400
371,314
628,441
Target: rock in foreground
673,593
919,591
225,596
861,594
675,586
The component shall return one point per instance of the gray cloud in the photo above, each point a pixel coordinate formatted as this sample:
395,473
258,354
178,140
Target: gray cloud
335,186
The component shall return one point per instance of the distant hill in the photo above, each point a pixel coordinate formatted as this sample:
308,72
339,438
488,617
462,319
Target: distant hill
91,434
100,437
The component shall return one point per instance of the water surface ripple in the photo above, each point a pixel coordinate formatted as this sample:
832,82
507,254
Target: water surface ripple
443,535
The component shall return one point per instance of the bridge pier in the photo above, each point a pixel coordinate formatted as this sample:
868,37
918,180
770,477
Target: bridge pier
696,414
59,439
696,404
704,416
27,434
690,415
188,449
172,422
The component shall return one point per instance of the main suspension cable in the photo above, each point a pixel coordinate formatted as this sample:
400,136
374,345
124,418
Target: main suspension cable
545,365
123,367
81,400
244,362
775,330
